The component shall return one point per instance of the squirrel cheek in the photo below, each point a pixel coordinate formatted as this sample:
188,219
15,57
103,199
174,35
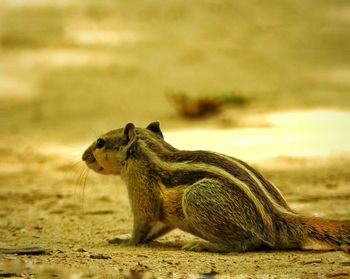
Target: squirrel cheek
108,161
101,158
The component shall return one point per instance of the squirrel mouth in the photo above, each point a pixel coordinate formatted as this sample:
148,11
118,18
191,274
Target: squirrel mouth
94,166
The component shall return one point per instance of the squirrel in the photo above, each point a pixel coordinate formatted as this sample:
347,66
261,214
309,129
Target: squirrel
218,198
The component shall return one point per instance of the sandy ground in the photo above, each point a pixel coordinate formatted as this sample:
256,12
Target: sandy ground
70,71
48,199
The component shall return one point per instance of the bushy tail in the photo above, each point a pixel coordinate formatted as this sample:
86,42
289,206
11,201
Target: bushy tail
334,233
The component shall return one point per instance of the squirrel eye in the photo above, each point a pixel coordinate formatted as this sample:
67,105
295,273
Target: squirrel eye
100,143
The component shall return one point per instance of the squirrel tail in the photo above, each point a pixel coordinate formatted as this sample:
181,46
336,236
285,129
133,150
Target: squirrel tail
334,233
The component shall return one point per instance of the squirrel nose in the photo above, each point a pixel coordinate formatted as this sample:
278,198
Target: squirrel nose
86,155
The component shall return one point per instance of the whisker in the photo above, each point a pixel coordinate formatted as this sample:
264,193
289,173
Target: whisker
76,167
71,173
79,181
84,185
73,168
76,164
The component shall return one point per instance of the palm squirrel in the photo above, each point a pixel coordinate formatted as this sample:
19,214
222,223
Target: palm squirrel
216,197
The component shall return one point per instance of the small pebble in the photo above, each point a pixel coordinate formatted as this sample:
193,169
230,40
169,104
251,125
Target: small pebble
80,250
313,261
100,257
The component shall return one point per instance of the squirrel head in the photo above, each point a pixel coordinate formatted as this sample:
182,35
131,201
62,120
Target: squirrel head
108,153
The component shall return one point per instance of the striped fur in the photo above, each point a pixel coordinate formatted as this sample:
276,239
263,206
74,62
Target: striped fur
216,197
201,164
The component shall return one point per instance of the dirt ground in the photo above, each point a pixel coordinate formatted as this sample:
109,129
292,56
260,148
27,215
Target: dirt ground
71,71
49,200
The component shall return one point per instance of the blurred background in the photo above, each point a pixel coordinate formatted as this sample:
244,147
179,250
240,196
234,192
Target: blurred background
70,70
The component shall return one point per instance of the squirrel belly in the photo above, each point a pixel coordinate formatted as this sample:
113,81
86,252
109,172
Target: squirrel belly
218,198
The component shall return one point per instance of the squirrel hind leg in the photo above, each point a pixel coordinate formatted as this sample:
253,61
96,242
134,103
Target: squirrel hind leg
211,215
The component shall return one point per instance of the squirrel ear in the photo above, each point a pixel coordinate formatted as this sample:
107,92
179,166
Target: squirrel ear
155,128
130,131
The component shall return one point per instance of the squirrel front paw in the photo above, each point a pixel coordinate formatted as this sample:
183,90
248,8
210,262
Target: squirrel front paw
122,239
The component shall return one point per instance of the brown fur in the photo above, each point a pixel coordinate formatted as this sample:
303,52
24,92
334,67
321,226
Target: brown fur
213,196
